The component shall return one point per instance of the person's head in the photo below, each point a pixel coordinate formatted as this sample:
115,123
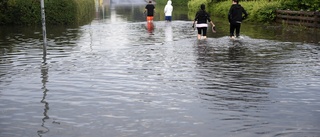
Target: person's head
203,7
150,1
169,2
235,1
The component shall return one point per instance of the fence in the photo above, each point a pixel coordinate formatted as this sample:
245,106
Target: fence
304,18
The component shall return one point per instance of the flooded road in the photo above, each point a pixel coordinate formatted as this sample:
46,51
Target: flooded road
121,77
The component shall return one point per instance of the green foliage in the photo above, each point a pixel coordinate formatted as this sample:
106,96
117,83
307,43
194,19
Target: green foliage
267,13
69,11
20,12
60,11
28,12
220,9
311,5
194,5
3,11
260,11
85,10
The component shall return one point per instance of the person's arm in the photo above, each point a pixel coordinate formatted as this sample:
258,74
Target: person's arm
213,27
195,19
212,24
209,20
230,15
245,14
145,10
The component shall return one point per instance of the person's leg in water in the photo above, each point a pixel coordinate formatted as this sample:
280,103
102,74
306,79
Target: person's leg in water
204,34
238,25
149,18
232,27
203,31
168,18
199,33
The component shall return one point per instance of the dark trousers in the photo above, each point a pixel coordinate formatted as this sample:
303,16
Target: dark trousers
235,26
202,30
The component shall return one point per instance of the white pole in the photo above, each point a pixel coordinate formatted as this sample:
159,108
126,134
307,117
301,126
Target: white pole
44,33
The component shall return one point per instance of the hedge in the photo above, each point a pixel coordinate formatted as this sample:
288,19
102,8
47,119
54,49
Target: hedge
58,12
259,10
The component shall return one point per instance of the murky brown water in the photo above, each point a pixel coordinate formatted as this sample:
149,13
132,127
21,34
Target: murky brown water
114,77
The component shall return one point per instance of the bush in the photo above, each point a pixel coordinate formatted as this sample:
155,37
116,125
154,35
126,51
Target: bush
259,11
21,12
267,12
194,5
311,5
27,12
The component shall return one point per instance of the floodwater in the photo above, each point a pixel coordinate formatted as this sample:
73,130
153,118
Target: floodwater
122,77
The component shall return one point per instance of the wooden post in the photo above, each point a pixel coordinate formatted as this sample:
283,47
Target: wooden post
44,33
316,19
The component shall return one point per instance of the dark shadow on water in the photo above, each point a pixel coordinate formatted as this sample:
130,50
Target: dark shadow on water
236,49
268,31
226,72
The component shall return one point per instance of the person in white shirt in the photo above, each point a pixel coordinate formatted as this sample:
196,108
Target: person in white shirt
168,11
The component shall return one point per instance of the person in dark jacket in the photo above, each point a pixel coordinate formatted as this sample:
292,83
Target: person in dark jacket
201,18
235,17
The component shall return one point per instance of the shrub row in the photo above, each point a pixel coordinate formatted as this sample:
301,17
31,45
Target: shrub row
28,12
311,5
259,10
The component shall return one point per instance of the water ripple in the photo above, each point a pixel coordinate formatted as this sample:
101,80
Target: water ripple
121,80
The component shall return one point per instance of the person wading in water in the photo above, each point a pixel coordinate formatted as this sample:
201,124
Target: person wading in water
201,18
235,18
168,11
150,9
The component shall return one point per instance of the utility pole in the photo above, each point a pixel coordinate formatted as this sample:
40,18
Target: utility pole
44,32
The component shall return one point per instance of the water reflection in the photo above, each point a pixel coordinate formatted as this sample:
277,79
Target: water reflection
44,76
150,27
230,70
113,77
231,86
168,32
236,49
